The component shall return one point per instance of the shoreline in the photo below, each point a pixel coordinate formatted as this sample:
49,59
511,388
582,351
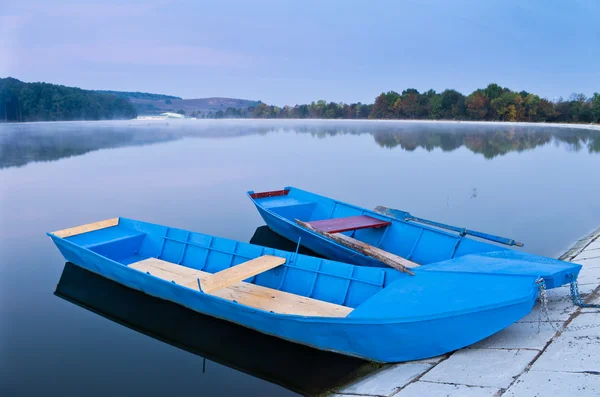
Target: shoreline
593,127
557,344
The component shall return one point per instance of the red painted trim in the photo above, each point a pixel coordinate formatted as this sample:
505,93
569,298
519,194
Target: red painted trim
337,225
274,193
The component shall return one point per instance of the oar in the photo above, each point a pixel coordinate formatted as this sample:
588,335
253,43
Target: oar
389,259
405,216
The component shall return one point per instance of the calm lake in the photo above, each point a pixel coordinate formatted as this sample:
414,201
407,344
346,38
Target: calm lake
66,331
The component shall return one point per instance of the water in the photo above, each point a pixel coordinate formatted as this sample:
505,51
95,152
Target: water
64,330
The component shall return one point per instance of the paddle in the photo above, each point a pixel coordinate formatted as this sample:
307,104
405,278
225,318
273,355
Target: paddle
405,216
383,256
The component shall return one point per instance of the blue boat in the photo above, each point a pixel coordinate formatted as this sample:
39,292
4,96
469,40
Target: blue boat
338,231
287,364
375,313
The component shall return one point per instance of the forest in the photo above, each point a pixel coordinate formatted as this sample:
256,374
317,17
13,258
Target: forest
21,101
492,103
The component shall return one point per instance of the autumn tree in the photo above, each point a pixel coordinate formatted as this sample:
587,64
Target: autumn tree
477,105
407,105
383,108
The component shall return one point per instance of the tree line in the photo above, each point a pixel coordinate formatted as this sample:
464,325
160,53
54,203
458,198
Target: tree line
21,101
492,103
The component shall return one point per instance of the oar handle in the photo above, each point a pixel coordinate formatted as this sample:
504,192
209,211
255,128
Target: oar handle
406,216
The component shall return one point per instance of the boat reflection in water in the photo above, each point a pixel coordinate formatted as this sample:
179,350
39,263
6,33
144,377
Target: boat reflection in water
296,367
268,238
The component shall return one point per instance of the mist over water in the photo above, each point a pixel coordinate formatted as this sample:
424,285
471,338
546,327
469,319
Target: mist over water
25,142
530,183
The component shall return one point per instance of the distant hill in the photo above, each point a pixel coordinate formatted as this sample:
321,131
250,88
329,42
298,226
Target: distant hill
138,95
204,105
147,103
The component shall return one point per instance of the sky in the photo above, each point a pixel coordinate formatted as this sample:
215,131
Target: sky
285,52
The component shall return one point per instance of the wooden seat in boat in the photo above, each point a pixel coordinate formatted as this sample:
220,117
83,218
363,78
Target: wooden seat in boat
240,272
249,294
338,225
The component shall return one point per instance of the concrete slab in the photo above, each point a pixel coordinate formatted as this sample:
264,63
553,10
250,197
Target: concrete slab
591,263
589,270
558,311
584,325
560,294
595,300
557,384
594,245
347,395
586,255
386,381
432,360
571,354
589,275
481,367
520,336
430,389
588,261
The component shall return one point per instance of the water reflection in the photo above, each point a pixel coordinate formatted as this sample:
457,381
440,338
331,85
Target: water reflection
298,368
24,143
267,238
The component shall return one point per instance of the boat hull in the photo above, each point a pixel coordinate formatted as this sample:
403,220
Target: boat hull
372,339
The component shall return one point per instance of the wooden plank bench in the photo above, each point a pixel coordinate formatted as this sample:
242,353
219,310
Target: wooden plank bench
259,297
240,272
90,227
338,225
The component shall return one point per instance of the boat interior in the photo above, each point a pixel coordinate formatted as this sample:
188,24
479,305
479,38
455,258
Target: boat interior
264,278
421,244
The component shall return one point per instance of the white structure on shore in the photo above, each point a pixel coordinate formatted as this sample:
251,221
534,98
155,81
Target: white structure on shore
151,117
162,116
170,115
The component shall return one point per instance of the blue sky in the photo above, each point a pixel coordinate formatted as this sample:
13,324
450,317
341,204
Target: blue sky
288,52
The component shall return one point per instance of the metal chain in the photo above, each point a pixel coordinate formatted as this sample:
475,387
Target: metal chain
577,301
544,305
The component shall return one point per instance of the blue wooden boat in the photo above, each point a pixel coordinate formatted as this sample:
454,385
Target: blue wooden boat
379,314
339,231
306,371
